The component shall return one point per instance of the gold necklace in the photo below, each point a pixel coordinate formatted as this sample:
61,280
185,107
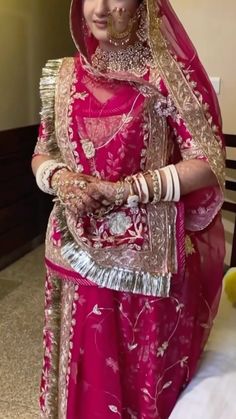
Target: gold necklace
134,58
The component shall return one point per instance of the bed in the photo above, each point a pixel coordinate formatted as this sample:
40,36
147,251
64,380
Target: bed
212,392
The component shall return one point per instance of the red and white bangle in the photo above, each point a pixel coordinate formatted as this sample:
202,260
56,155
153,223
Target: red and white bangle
138,187
169,184
172,183
133,199
144,188
176,182
44,174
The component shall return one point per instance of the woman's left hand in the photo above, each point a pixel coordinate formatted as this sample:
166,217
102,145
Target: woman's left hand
103,191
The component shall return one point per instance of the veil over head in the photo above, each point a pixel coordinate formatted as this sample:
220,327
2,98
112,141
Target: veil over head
162,20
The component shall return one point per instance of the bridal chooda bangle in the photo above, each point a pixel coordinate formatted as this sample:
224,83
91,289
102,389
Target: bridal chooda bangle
142,194
45,172
119,198
172,183
133,199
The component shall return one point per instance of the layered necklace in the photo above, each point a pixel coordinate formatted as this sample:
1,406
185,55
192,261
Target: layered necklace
134,58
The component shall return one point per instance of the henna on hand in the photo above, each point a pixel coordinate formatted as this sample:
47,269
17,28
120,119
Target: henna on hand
85,193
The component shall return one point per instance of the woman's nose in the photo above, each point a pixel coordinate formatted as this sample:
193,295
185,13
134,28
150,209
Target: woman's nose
101,7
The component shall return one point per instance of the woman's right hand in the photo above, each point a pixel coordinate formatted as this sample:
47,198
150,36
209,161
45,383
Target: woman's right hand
71,188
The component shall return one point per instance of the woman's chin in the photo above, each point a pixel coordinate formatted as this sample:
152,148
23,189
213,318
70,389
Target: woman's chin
100,35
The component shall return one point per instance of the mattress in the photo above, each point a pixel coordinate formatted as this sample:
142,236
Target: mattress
212,392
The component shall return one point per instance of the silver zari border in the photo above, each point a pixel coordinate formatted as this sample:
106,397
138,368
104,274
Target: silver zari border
118,279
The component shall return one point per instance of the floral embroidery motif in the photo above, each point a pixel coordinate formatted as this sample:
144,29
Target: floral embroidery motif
165,107
113,364
149,352
56,233
126,118
96,310
131,346
81,95
88,148
119,223
181,88
184,361
161,349
114,409
48,395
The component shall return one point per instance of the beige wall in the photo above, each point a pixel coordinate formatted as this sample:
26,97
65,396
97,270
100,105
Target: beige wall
211,25
212,28
31,31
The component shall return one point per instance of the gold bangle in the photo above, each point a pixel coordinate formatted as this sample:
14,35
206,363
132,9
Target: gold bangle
156,182
133,199
119,198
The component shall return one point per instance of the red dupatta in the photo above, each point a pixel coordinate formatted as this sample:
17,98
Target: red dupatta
175,59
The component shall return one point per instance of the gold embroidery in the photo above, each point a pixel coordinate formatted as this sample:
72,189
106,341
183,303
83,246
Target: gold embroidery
108,268
52,328
64,98
181,90
68,296
48,83
189,247
144,271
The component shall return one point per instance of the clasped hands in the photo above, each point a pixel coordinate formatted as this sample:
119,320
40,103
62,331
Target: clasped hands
84,194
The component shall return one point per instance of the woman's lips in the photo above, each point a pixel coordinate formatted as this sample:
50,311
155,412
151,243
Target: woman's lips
100,24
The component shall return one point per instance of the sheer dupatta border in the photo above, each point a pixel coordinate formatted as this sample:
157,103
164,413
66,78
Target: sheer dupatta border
182,91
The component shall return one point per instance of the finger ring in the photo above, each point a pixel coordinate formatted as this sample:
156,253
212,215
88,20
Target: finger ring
71,196
105,202
81,184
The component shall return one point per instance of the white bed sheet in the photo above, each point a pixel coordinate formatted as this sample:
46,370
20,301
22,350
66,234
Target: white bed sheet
212,392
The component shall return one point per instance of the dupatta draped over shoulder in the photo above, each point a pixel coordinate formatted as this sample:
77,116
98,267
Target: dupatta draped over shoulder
118,124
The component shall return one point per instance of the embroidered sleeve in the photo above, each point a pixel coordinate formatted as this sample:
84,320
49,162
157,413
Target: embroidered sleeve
201,206
46,142
166,107
187,146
